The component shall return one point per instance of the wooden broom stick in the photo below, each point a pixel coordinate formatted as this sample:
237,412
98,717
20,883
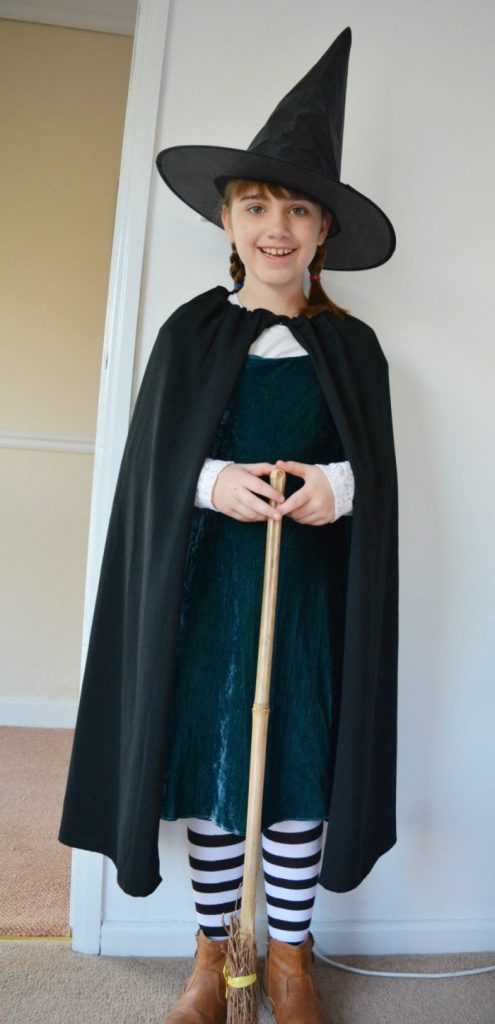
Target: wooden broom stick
240,968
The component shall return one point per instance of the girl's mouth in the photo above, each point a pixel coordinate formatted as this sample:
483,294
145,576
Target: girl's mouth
273,253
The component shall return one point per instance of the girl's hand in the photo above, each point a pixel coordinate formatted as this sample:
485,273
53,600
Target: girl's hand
314,503
235,489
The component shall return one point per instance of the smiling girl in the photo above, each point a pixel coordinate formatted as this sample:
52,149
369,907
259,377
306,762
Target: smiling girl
276,416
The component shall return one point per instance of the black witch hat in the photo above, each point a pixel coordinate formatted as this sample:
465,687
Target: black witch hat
299,147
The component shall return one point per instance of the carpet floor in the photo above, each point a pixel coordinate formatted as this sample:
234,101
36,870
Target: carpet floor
34,865
45,981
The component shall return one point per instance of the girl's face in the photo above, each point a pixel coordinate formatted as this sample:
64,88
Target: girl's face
276,238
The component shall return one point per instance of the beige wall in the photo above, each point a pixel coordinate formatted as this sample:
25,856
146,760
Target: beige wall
62,111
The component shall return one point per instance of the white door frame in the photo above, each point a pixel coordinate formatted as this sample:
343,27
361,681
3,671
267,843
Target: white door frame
116,383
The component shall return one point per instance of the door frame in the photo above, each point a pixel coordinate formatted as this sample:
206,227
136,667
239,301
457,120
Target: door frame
117,373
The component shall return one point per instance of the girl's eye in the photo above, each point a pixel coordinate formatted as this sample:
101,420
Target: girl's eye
294,209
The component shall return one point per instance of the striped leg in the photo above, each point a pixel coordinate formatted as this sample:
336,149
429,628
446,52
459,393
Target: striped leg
291,864
216,861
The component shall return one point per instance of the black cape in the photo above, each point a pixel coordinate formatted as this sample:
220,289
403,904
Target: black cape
115,779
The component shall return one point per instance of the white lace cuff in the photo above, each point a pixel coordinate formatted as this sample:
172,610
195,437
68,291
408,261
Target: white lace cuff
206,482
341,479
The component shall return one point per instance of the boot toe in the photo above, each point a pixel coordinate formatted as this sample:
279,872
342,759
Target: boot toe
203,999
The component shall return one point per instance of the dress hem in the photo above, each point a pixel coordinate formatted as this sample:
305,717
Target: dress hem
235,831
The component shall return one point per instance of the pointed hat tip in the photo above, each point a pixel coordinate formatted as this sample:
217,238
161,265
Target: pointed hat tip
340,45
342,42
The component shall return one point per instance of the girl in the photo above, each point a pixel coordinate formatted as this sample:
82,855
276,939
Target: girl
268,377
216,673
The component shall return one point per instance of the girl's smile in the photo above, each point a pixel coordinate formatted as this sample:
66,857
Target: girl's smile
277,254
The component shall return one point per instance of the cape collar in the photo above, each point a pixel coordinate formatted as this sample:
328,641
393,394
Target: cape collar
267,315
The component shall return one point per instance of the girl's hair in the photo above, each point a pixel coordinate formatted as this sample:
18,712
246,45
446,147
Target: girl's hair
317,299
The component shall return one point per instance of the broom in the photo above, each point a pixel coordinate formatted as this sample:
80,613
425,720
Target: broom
242,990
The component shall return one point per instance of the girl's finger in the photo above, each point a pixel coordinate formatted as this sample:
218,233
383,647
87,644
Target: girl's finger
249,502
261,510
267,510
312,520
296,468
258,468
263,487
296,502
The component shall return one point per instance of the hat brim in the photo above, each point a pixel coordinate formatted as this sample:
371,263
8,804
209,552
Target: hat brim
365,237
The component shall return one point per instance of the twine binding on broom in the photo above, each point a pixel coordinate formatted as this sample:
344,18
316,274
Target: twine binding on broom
240,982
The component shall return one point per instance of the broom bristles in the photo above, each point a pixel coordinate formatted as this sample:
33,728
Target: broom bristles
242,1002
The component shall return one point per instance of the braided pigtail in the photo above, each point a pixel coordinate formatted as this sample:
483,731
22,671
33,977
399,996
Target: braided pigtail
318,299
237,268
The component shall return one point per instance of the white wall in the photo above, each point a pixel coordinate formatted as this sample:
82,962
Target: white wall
418,141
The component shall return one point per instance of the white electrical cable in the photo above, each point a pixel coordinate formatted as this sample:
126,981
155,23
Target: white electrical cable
400,974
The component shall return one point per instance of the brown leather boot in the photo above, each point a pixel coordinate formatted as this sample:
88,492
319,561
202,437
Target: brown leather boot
288,987
203,1000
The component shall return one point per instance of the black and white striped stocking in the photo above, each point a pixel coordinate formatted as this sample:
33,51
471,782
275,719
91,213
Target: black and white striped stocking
291,852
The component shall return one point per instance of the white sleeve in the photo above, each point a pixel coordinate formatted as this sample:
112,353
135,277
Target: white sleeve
341,479
206,482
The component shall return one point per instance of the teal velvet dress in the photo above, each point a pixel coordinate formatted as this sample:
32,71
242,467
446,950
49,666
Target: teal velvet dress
277,411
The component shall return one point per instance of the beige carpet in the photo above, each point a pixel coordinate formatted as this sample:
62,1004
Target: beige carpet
34,866
44,982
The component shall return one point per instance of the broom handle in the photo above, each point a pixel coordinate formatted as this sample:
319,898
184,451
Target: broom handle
260,712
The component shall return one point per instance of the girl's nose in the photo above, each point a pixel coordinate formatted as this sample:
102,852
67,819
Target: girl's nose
277,228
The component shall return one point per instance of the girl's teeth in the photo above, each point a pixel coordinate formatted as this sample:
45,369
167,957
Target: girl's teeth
277,252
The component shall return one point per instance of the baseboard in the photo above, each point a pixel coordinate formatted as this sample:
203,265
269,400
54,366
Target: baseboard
339,938
39,714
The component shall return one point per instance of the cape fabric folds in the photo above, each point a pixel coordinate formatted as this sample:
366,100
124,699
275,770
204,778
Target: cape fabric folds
115,780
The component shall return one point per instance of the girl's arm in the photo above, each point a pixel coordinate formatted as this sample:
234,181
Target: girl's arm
339,475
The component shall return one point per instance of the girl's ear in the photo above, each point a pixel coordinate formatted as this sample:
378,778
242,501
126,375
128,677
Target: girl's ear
326,220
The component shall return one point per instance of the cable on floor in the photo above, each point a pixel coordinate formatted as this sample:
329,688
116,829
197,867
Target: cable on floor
401,974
